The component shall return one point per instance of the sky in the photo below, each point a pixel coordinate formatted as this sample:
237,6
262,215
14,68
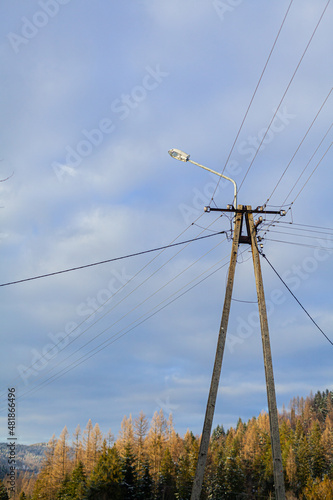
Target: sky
93,95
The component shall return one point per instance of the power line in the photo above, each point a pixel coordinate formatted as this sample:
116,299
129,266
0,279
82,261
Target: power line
252,98
284,94
312,236
304,225
319,162
289,225
321,159
298,148
301,244
110,260
123,299
306,312
116,336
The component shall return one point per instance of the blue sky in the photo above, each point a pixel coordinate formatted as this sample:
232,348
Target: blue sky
93,97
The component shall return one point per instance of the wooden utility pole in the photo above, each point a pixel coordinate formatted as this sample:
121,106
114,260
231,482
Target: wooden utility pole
270,386
251,239
201,464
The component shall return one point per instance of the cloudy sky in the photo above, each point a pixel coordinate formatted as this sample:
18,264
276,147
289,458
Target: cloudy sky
94,94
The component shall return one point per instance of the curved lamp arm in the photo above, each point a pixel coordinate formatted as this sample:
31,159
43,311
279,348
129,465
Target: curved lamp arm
180,155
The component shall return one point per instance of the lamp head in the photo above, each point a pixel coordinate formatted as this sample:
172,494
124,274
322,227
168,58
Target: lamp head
178,154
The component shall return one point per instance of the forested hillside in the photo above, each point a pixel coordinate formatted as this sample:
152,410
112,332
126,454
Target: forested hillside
150,461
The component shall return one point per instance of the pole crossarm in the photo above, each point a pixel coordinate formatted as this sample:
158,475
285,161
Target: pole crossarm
258,210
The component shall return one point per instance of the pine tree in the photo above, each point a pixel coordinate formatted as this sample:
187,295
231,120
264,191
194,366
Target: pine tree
130,480
186,464
106,477
318,463
61,462
46,485
110,439
63,492
303,462
140,432
88,453
155,442
73,487
77,445
145,483
291,469
319,490
97,441
126,435
27,483
167,478
327,442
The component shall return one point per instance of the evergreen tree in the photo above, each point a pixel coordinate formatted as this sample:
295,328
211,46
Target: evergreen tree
217,433
73,486
106,477
186,464
303,462
318,462
291,469
22,496
64,490
130,480
145,483
167,479
319,489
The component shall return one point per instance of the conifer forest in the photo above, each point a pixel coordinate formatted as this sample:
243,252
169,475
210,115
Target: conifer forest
150,461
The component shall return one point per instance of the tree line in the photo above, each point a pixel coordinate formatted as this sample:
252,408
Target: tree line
150,461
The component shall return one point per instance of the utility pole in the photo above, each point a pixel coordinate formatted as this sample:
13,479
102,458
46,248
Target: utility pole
200,470
242,212
270,386
250,238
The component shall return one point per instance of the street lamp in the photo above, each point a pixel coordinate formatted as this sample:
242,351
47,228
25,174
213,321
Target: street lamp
180,155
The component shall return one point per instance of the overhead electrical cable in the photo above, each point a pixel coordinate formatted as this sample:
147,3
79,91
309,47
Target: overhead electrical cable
283,96
308,163
121,333
252,98
299,303
107,312
292,203
327,249
297,235
124,298
321,159
298,147
304,225
110,260
125,315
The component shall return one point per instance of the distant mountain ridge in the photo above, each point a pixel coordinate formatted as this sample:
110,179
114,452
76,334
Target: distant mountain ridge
28,457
